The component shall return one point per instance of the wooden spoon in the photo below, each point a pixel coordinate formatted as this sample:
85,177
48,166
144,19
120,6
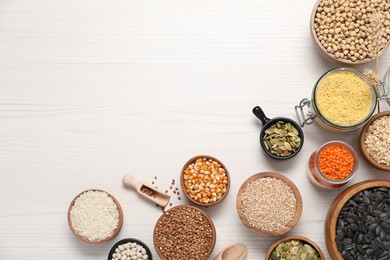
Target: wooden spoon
233,252
147,191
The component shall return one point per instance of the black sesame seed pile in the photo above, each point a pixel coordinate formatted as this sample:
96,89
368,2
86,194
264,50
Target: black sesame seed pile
363,226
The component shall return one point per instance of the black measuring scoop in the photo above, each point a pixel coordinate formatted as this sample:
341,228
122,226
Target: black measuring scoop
267,123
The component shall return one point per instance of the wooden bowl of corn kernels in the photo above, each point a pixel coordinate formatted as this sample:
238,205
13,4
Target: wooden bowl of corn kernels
205,180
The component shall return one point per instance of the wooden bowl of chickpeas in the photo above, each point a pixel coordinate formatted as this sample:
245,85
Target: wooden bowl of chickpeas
205,180
351,32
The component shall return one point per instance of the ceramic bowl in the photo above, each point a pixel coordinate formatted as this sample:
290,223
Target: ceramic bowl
267,123
131,240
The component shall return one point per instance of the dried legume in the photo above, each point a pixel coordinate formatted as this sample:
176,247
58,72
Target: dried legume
148,191
184,233
377,140
363,226
130,251
343,98
205,181
336,162
346,28
268,203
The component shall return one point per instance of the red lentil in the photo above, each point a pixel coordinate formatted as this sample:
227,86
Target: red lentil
336,162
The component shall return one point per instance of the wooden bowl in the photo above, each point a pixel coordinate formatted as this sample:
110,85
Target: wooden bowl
289,226
192,160
116,231
330,56
336,207
363,147
132,240
288,238
185,206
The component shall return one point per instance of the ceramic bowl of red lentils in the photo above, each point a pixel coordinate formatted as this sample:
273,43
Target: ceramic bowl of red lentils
205,180
269,204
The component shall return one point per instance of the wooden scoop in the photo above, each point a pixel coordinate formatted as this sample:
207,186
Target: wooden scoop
232,252
147,191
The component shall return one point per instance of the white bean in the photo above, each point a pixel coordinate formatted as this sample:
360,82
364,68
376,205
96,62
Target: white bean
130,251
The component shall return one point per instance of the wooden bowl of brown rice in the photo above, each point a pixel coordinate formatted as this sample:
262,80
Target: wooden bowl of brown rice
374,141
269,204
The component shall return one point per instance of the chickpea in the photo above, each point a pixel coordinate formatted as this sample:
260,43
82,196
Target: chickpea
344,27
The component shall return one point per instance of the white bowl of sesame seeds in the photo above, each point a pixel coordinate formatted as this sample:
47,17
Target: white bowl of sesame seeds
269,204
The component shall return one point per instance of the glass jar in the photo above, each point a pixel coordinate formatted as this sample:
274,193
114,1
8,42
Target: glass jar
316,113
321,180
384,87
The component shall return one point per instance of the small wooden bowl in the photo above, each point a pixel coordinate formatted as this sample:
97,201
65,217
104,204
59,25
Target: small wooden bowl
185,206
297,195
330,56
288,238
132,240
116,231
192,160
336,207
363,147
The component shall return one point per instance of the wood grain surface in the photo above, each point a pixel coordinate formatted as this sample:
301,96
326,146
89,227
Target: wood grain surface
92,90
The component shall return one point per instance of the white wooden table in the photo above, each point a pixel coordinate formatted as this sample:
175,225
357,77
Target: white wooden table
91,90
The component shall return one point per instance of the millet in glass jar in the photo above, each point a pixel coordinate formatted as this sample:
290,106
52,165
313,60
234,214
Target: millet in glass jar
343,98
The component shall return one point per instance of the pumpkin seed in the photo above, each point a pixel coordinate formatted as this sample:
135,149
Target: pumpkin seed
281,139
294,250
